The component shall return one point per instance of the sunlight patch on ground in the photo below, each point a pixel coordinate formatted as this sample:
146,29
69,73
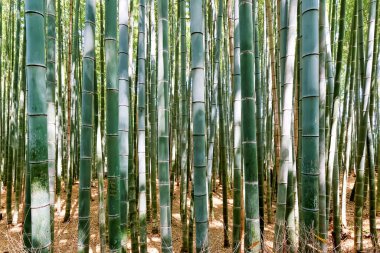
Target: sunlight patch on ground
216,224
153,250
217,201
156,239
16,229
269,245
66,233
63,241
176,216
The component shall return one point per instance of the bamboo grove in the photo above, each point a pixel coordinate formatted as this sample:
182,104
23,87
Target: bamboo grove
214,125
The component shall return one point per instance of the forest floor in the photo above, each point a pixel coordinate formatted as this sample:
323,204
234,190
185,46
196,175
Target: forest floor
66,233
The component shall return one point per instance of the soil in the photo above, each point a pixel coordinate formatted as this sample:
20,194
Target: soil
66,233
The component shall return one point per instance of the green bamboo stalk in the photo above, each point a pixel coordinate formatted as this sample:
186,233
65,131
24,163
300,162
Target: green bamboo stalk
331,163
112,137
191,220
370,148
133,222
333,16
237,190
87,128
323,225
283,10
370,142
102,82
214,101
14,117
37,125
27,215
99,163
199,127
61,110
27,228
6,99
275,103
12,111
252,222
76,81
163,126
184,126
148,115
132,193
141,126
278,52
22,117
329,98
348,162
153,119
50,97
355,91
231,30
223,159
346,124
375,76
346,102
286,138
310,120
269,126
95,162
7,82
190,174
350,130
124,101
223,132
299,116
174,143
372,188
364,117
133,173
96,120
259,117
66,162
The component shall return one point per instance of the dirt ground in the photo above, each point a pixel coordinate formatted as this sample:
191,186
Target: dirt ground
66,233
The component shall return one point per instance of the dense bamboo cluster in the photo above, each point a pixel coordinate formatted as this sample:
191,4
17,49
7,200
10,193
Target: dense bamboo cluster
187,115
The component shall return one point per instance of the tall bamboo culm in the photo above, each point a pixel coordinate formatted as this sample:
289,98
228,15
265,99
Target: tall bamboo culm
199,126
50,96
237,158
87,128
184,126
141,127
284,219
124,112
37,125
252,221
363,120
163,125
112,125
310,120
